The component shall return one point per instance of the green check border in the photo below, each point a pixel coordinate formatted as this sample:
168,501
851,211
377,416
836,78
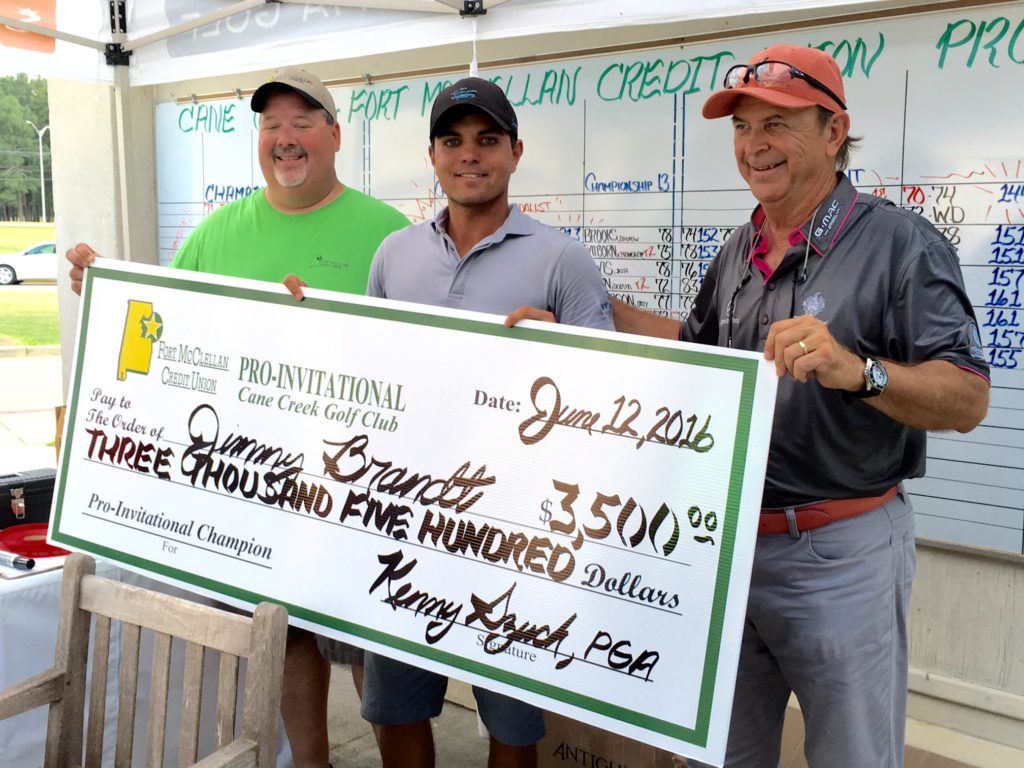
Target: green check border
745,366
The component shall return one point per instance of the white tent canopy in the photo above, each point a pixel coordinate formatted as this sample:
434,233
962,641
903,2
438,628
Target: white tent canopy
175,40
103,138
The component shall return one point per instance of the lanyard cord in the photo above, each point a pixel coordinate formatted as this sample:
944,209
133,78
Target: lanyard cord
798,277
732,305
801,276
746,279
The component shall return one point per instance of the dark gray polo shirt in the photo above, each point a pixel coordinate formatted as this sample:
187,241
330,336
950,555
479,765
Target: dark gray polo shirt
522,263
889,286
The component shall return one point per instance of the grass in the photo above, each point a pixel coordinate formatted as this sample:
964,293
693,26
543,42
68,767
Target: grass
28,318
17,236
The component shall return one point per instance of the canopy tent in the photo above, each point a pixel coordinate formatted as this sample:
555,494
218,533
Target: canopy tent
104,157
164,41
103,138
133,43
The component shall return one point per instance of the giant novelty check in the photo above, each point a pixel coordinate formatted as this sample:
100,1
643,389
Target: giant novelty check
563,515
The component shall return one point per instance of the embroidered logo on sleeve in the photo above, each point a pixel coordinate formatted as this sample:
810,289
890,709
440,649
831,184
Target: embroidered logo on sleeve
974,336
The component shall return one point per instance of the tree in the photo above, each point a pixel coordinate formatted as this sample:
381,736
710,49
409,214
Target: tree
22,99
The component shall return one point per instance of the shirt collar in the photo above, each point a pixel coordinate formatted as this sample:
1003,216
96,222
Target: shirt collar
516,224
828,220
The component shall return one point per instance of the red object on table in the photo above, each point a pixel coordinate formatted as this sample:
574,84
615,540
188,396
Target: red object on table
29,540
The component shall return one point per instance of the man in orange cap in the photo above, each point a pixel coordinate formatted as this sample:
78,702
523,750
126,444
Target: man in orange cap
862,308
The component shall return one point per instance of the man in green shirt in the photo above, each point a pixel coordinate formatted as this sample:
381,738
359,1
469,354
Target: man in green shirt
304,220
332,244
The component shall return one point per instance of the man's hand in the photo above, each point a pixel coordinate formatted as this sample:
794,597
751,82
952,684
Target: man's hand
80,257
804,348
295,284
529,313
934,394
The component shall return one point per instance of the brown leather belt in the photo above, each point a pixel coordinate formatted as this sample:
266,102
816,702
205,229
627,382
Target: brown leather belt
811,516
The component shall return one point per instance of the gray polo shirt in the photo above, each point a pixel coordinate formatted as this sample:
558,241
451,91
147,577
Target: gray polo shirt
522,263
889,286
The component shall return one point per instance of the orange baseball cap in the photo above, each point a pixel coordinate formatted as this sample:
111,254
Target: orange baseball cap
791,91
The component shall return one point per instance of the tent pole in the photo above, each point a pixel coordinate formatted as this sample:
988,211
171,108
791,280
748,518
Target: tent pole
122,119
422,6
25,26
122,126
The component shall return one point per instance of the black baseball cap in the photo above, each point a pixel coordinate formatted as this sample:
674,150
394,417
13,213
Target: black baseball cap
475,93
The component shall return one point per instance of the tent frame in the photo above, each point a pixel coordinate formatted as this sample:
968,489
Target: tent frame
117,51
120,48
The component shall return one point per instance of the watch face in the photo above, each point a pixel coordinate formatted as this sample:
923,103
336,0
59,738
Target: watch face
879,378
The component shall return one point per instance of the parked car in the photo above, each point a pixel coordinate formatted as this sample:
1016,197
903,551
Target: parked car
36,263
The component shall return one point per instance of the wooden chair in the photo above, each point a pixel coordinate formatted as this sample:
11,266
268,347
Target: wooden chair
260,639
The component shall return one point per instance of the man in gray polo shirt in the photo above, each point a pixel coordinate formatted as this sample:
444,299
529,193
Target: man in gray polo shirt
861,305
480,254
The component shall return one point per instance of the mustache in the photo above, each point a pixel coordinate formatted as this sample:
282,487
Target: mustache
289,149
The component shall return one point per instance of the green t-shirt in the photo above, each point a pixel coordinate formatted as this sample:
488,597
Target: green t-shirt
331,247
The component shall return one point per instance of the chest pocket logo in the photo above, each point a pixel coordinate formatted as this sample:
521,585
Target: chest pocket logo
814,304
321,261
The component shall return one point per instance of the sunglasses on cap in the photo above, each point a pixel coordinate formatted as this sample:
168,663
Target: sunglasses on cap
773,73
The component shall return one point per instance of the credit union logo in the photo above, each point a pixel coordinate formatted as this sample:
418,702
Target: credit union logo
142,326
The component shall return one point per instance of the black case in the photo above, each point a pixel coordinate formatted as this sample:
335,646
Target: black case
25,497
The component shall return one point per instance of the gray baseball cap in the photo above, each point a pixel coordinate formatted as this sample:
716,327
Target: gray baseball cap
307,85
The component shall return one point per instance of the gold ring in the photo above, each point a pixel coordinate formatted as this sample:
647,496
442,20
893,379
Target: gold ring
803,346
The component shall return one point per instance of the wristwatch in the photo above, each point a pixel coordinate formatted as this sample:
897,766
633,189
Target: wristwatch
875,379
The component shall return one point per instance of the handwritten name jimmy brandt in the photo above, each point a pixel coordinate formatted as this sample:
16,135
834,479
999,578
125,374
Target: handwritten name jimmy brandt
381,495
270,475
